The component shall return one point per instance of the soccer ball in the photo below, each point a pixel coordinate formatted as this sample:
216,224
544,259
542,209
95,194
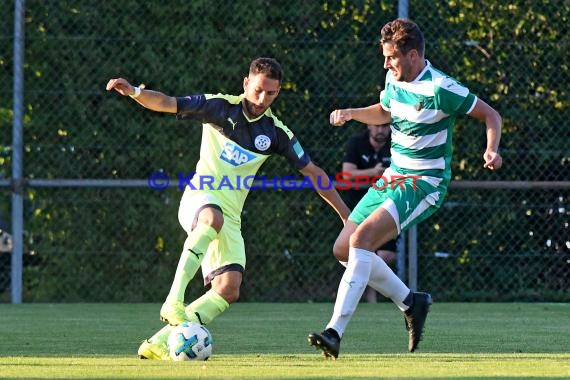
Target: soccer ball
189,341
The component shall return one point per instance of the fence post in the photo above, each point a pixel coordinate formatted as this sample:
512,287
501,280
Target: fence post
17,155
401,258
413,258
403,8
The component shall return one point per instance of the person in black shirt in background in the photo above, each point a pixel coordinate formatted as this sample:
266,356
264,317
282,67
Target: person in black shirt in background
368,154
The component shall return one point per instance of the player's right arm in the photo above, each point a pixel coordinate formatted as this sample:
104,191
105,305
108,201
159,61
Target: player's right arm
153,100
373,114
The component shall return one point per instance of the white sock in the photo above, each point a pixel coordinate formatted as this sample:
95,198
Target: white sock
351,287
384,280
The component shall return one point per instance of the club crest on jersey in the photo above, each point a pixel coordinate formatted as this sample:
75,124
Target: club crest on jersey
262,142
235,155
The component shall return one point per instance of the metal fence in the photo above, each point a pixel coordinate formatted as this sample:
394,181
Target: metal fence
94,231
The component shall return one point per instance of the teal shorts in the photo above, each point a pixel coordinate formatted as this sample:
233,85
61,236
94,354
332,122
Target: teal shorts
410,200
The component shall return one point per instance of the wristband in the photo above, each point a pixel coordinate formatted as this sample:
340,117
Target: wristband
137,93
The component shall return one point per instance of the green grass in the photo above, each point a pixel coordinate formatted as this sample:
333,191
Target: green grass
268,341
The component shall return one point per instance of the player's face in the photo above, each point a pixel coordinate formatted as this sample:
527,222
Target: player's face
260,92
400,65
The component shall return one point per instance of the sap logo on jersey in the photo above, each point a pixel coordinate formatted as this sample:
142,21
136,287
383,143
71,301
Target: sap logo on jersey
235,155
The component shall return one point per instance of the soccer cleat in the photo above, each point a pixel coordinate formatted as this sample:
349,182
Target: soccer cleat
152,351
415,318
327,341
173,313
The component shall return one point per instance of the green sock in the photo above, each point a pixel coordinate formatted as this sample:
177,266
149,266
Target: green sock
195,248
207,307
161,336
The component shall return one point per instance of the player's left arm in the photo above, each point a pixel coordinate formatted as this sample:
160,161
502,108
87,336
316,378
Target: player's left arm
325,189
493,122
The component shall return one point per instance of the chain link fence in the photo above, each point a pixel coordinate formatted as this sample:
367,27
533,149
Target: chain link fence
500,236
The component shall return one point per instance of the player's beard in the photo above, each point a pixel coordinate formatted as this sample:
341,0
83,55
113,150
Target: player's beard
250,109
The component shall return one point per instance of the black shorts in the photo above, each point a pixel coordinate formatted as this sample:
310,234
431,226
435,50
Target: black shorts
392,245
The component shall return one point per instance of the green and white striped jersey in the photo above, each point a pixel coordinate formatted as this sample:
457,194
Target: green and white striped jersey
423,114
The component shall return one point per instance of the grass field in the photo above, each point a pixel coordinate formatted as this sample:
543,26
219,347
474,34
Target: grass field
268,341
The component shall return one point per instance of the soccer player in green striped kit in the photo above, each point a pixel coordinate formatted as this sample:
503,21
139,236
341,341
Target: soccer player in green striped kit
421,103
239,133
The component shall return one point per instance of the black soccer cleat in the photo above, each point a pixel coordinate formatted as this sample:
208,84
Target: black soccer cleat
415,318
327,341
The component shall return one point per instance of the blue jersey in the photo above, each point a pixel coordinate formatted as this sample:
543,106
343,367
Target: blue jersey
234,146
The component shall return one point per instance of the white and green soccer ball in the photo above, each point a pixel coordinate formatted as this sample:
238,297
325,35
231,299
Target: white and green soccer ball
189,341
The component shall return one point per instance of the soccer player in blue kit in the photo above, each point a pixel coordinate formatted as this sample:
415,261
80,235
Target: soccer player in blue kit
239,133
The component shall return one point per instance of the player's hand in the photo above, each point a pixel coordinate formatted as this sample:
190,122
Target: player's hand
379,167
339,117
493,160
122,86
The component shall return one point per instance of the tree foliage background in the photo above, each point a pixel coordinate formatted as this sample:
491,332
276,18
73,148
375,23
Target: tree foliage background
109,244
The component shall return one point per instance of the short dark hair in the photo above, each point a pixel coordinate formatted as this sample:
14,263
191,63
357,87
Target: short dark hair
404,34
267,66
